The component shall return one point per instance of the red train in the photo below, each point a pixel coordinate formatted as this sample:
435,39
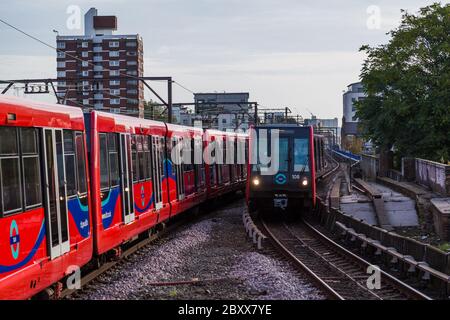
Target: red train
76,187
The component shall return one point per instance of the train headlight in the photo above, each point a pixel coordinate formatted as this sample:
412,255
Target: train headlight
305,182
256,182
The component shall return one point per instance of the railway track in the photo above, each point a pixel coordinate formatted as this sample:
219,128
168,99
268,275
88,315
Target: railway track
339,272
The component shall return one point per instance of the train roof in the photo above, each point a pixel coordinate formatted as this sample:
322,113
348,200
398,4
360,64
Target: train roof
281,125
29,113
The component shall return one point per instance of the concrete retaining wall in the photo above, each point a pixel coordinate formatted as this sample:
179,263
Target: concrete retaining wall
370,166
434,175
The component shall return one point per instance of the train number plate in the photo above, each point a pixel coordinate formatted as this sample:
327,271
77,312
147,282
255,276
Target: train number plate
281,203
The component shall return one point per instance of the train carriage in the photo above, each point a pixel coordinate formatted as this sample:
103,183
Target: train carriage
222,168
287,180
45,226
74,187
185,167
129,187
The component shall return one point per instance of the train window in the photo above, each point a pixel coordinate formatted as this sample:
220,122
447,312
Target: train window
283,152
134,159
187,147
261,148
301,155
31,167
113,159
69,158
81,162
10,171
28,140
161,156
11,189
104,176
147,156
9,144
141,158
112,142
32,181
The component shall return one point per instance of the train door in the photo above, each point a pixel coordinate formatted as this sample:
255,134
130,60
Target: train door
126,179
219,165
157,170
56,193
177,141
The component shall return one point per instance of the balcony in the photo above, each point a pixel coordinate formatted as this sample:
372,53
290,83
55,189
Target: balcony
98,96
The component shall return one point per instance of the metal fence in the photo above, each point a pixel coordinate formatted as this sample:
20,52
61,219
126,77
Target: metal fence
421,252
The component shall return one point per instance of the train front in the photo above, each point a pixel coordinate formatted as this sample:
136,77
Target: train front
281,169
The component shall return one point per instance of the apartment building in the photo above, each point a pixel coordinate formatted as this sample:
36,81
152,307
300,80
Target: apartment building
100,70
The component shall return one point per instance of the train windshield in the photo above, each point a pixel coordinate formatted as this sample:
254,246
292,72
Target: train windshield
301,155
283,154
265,154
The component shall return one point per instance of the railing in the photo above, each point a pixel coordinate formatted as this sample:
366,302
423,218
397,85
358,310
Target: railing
415,255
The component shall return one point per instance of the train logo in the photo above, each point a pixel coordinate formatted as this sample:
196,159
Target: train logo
280,179
14,239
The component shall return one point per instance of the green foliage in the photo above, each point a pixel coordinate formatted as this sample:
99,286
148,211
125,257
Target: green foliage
154,111
408,86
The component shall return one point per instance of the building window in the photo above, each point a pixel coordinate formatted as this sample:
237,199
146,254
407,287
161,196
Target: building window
61,54
114,63
114,53
85,73
61,64
85,44
84,64
62,84
132,101
114,44
131,53
131,63
85,54
115,101
114,72
61,45
85,101
131,44
114,82
115,92
132,91
132,82
132,73
61,74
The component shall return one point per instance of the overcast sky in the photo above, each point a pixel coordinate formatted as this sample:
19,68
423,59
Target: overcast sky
300,54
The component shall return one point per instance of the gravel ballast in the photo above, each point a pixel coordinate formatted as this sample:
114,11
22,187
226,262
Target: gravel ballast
214,252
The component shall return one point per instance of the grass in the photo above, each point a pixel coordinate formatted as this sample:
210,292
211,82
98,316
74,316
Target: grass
173,293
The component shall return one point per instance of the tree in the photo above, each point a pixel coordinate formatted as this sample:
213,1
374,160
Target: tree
154,111
407,82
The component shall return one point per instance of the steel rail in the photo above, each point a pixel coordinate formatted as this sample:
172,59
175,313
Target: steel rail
342,284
